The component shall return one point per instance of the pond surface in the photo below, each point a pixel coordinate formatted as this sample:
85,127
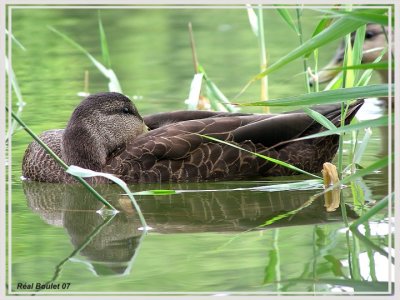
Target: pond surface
206,238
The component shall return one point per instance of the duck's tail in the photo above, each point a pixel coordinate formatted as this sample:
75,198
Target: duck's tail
333,112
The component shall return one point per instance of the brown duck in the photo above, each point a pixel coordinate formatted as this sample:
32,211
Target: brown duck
106,133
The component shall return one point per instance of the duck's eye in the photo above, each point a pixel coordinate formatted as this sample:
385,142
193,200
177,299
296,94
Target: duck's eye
125,110
369,35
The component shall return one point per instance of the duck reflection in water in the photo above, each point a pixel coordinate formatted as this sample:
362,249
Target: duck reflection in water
110,247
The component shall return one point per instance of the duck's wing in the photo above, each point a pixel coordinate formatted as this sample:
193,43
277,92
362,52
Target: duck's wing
165,118
178,140
274,130
291,125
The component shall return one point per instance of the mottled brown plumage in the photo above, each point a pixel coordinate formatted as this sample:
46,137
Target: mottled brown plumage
106,133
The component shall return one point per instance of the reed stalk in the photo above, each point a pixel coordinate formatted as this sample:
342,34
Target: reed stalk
59,160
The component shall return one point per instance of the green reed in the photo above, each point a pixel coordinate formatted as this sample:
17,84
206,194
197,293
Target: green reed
59,160
351,84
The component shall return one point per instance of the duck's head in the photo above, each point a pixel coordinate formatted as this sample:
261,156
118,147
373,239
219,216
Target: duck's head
374,43
100,125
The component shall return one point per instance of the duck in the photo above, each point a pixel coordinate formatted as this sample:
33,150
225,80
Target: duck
374,42
106,133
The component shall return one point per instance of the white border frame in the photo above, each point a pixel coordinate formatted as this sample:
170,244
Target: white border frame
177,4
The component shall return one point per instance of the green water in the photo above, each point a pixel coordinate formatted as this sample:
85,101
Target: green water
200,241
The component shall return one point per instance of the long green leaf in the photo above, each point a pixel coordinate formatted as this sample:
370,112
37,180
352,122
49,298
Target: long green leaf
217,98
320,118
14,39
358,45
382,121
113,85
326,97
322,25
337,30
59,160
377,165
284,13
380,17
253,20
372,212
104,44
376,66
362,146
17,91
366,76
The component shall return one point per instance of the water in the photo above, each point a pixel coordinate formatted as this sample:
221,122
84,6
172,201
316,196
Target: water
205,241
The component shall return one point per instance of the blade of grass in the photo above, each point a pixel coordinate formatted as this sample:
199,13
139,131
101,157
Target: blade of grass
113,84
337,30
85,173
372,212
104,44
83,245
20,101
305,62
366,15
366,76
274,160
375,66
263,55
321,119
348,74
327,97
358,48
215,95
322,25
252,19
15,40
362,146
59,160
193,47
382,121
284,13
